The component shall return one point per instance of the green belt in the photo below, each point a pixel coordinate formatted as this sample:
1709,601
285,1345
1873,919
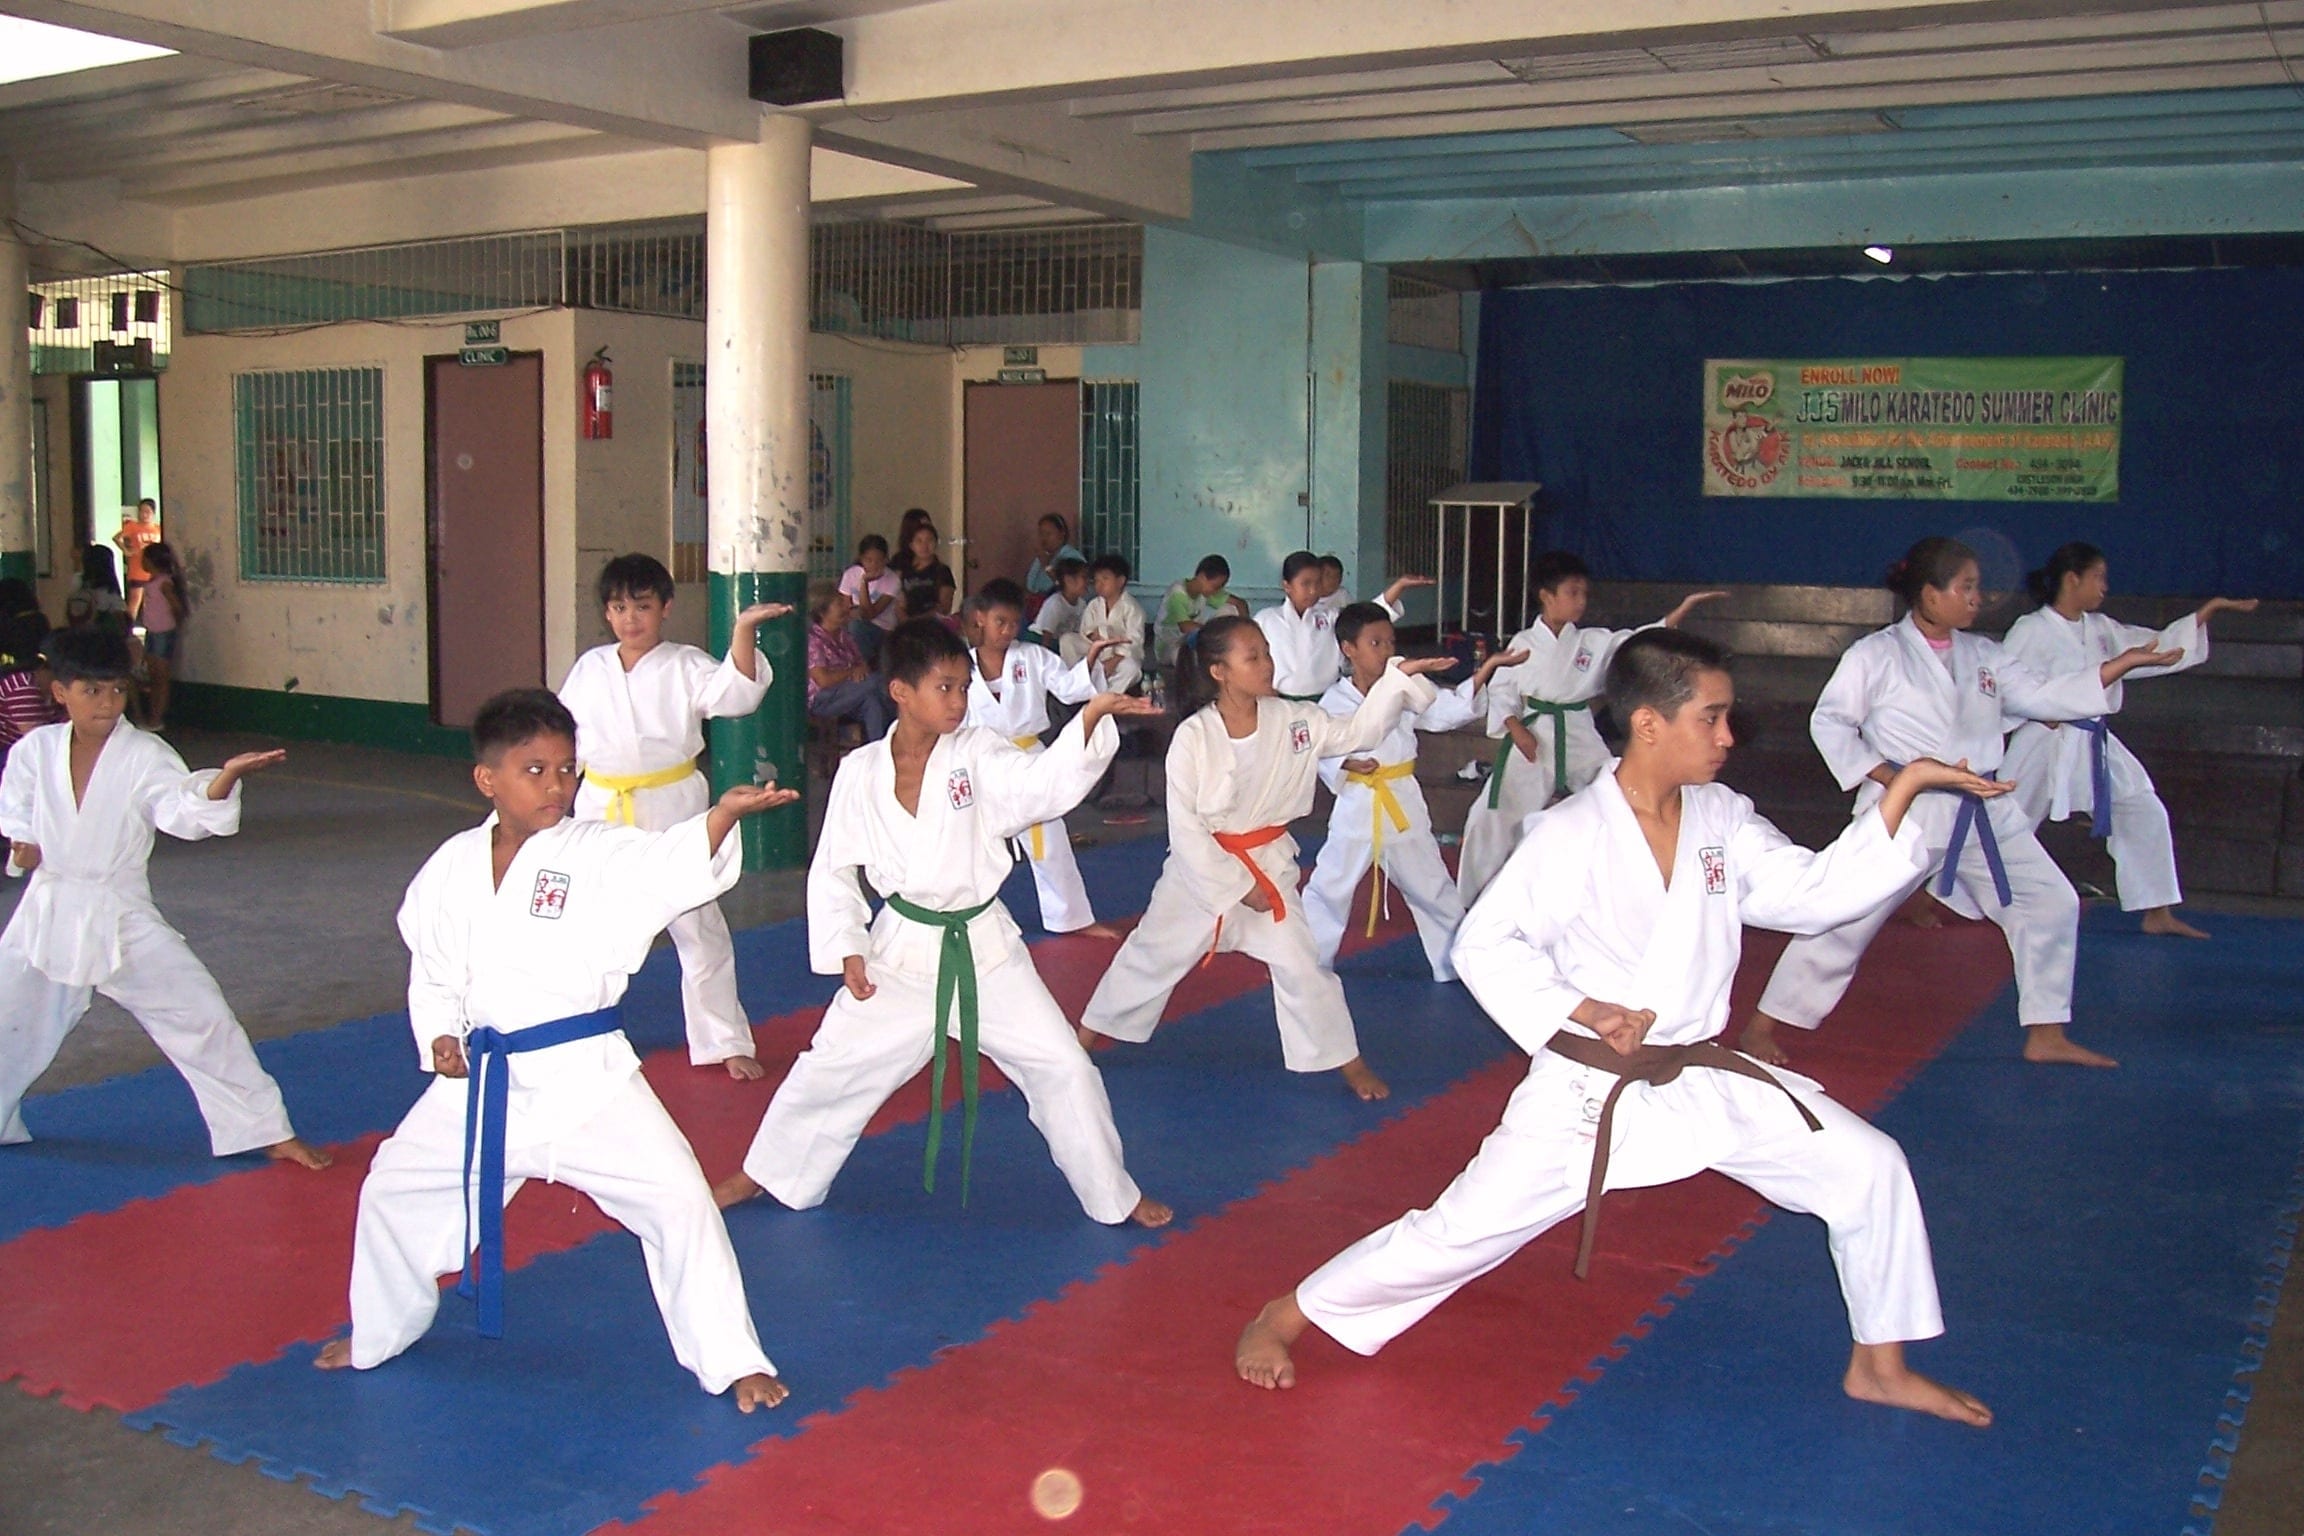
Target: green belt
955,977
1539,709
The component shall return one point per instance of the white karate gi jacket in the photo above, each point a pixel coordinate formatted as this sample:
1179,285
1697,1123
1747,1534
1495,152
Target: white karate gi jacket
1352,816
1121,664
93,855
978,792
2049,643
576,914
1017,706
652,718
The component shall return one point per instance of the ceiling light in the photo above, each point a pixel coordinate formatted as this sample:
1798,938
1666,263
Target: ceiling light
1880,253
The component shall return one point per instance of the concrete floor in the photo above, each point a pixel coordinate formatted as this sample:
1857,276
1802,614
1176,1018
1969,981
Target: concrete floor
294,917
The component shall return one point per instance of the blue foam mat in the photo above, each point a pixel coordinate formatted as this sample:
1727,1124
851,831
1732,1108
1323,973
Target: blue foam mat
581,1415
2101,1241
138,1136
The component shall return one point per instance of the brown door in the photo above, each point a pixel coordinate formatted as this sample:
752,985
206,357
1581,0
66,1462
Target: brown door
1022,462
486,539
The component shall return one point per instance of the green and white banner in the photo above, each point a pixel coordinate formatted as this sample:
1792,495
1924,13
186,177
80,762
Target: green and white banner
1933,428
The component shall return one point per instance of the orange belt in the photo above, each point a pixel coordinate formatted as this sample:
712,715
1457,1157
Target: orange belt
1240,845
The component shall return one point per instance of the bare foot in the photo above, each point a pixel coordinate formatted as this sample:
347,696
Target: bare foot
759,1391
1089,1039
745,1069
1922,910
1877,1374
735,1190
1363,1081
334,1355
300,1152
2164,922
1151,1213
1759,1042
1261,1357
2049,1043
1100,931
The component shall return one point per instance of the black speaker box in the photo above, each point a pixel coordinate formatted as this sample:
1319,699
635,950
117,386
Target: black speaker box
792,69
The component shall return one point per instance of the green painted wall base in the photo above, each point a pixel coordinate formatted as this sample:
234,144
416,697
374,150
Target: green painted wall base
770,743
315,717
18,563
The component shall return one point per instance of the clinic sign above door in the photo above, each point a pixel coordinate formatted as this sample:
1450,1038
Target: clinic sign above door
1914,428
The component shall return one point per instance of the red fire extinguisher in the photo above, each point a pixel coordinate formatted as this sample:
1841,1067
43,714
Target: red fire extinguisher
599,391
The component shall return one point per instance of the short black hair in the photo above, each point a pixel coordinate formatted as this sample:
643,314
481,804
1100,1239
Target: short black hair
1933,562
999,592
1068,567
1356,617
1116,564
93,653
1332,563
869,543
630,576
916,647
1063,528
1213,568
1297,564
1656,669
518,716
1555,566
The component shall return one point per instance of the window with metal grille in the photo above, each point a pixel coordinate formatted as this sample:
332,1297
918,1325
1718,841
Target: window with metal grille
1422,314
1110,491
828,474
1427,433
309,448
118,323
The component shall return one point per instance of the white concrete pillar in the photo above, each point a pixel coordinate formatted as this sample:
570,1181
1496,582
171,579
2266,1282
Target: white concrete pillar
757,450
16,553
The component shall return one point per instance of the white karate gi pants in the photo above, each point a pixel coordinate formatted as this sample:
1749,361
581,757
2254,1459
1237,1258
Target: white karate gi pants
1417,873
864,1051
1491,835
2042,925
1316,1033
2142,845
634,1163
717,1028
170,993
1530,1175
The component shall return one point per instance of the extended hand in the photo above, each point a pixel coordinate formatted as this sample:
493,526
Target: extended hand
237,768
1500,661
761,613
2144,656
853,978
25,856
1424,664
1927,773
1256,900
750,799
448,1056
1115,704
2216,605
1687,604
1623,1028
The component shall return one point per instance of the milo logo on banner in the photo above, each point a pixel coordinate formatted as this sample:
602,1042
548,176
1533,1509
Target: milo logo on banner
1744,448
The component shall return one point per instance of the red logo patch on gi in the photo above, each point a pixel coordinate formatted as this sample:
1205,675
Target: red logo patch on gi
1299,736
1017,671
1986,684
959,790
1715,862
1583,659
550,898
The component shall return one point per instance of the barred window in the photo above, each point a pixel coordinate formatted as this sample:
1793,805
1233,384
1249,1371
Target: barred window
310,469
1427,441
1110,490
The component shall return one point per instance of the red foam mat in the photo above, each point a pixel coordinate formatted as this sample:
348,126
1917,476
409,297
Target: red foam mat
1127,1384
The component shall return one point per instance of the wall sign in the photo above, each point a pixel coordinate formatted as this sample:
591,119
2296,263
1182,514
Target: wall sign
1914,428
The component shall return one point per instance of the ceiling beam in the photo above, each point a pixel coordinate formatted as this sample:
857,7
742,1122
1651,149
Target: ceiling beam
253,175
153,143
468,23
1038,150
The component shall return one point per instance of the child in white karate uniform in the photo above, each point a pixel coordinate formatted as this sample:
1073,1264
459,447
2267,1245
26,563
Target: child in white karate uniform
1300,629
1606,949
522,935
1540,713
925,814
2057,766
1241,766
79,803
1927,687
1009,686
640,707
1380,819
1113,616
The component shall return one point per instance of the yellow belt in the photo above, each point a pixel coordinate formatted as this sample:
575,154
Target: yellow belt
1382,803
620,790
1039,843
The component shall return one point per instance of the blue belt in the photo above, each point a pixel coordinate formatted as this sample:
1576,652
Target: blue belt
487,1103
2099,774
1972,814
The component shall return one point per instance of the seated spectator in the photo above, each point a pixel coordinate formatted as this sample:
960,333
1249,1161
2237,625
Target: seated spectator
1055,537
1110,615
841,683
1191,603
25,702
97,599
917,561
874,595
1060,610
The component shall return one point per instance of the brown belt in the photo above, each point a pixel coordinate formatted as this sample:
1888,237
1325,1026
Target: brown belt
1657,1064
